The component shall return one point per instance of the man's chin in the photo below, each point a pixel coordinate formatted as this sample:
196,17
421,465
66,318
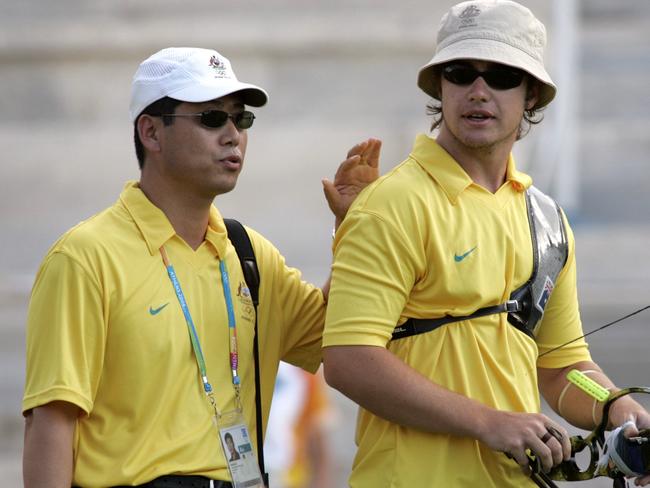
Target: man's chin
224,188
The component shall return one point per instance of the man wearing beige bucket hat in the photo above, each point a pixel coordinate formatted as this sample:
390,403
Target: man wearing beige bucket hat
142,329
454,282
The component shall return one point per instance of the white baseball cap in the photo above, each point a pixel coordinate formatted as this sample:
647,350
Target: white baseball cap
188,74
500,31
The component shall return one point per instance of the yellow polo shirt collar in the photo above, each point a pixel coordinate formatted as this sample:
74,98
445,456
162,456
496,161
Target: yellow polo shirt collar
450,175
156,228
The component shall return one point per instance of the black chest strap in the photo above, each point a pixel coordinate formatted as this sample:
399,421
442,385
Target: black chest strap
420,326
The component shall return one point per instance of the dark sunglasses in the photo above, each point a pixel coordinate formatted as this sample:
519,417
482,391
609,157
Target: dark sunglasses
499,78
213,119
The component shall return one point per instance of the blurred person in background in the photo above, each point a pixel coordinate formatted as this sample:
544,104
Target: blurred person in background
454,282
296,446
140,325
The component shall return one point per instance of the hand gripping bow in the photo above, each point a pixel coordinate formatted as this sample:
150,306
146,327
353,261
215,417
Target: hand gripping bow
632,455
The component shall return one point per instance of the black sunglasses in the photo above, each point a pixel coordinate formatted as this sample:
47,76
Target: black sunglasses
213,119
499,77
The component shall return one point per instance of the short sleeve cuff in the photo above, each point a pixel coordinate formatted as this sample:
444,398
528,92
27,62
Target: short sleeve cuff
57,394
354,339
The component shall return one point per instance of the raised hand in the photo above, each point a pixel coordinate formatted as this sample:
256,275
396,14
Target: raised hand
358,170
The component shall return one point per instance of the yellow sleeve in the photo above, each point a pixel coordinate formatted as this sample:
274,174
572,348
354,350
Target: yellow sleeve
291,309
375,268
65,335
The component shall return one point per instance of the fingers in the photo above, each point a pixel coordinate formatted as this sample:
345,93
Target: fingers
328,186
521,457
548,453
563,439
542,454
349,163
557,454
554,446
357,149
642,481
630,429
372,152
368,151
331,194
549,448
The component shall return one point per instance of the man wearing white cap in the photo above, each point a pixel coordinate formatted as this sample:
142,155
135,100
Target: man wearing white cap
454,282
140,368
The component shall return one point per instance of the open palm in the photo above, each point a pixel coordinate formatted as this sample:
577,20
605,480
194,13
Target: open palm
358,170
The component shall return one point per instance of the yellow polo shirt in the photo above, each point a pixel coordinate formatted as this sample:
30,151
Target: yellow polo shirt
424,241
105,332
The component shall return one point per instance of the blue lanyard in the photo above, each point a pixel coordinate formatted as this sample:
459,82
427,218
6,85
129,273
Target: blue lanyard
194,338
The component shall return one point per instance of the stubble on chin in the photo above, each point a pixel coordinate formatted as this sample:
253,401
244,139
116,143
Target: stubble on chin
486,143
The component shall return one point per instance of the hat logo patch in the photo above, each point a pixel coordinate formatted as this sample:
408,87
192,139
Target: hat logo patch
218,66
468,16
469,12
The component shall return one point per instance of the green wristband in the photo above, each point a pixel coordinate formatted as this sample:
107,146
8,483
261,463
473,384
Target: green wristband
589,386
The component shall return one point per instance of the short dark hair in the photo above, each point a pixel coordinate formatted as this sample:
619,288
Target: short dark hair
531,117
165,105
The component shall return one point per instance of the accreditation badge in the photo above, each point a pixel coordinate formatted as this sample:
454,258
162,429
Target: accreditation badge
239,451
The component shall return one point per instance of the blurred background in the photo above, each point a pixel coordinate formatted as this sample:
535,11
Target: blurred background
337,72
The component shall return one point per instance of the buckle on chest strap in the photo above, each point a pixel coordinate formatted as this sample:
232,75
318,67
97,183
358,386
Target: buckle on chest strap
512,306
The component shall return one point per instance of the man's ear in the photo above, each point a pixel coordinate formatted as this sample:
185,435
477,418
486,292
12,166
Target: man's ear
149,132
532,93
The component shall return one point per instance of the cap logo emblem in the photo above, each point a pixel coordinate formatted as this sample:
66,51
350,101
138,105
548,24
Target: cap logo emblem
469,12
468,16
218,66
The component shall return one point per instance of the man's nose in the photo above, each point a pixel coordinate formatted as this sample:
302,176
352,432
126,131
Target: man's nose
479,90
230,134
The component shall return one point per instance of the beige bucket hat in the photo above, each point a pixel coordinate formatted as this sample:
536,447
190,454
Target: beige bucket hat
500,31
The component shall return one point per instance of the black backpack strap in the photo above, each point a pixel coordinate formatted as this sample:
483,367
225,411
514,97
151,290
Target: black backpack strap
242,243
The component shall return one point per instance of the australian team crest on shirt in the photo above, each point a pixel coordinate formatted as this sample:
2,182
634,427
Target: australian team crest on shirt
245,302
